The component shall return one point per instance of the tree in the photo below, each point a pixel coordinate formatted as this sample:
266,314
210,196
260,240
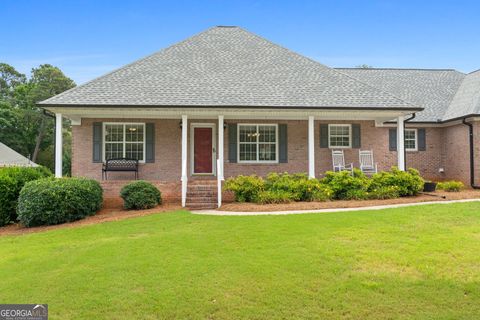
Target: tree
23,126
364,66
46,81
9,79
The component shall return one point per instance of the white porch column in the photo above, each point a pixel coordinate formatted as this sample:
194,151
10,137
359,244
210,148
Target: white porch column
311,147
58,145
220,176
401,143
184,160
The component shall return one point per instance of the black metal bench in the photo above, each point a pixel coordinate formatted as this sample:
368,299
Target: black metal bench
120,164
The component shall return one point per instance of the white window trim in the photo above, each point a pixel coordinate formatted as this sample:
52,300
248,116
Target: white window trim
416,139
349,135
258,161
124,136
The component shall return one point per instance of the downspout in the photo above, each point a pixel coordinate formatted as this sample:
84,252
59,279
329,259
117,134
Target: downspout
472,156
405,149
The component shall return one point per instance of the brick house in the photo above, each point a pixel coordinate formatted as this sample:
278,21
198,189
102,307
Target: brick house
227,102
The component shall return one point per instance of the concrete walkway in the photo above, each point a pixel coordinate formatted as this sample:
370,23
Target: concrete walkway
389,206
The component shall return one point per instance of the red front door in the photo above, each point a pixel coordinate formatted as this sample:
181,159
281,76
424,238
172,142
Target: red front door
202,150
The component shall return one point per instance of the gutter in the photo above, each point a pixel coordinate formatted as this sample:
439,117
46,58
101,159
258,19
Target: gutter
472,155
404,149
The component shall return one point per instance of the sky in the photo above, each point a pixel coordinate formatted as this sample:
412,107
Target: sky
87,39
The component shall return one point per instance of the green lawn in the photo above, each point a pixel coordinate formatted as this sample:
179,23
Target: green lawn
418,262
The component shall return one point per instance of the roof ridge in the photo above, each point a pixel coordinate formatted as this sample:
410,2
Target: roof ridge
330,68
128,65
401,69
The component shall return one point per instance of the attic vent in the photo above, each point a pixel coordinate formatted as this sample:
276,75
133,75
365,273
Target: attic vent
227,27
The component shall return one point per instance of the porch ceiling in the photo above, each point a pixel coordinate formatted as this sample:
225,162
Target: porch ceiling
76,114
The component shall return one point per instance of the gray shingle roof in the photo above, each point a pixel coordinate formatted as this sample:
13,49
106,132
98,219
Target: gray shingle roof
467,99
228,66
433,90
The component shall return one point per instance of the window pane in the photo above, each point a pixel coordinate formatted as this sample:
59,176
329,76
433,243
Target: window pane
267,133
134,132
113,150
248,152
114,132
409,134
267,152
248,133
410,144
339,136
134,151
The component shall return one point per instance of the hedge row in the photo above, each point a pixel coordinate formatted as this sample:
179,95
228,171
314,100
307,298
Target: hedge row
281,188
12,180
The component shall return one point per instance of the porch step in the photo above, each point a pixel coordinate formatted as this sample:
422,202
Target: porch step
202,194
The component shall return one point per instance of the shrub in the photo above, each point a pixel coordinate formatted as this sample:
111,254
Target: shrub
409,183
140,195
314,190
53,201
275,196
346,186
290,183
12,180
451,186
245,188
384,192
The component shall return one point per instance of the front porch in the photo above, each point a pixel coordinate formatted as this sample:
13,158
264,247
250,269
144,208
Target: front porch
178,148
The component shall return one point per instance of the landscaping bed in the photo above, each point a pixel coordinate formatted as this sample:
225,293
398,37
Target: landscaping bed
104,215
252,207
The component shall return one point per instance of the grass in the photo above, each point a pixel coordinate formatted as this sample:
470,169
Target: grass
411,263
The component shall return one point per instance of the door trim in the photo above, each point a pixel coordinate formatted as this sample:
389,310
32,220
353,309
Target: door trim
192,148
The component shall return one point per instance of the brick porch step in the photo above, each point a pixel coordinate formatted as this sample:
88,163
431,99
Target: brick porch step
202,194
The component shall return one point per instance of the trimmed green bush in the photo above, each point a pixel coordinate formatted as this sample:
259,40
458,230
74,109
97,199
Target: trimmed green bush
12,180
53,201
384,192
451,186
347,186
140,195
314,190
289,183
409,183
245,188
275,196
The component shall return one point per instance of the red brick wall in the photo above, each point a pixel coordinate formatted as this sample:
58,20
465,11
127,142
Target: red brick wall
446,147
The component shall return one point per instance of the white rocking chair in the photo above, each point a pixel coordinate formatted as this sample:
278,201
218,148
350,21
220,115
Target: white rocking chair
367,165
338,161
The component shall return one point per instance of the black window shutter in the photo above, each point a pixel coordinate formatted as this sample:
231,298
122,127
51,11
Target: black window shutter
232,142
356,136
324,136
392,139
150,143
422,146
97,142
283,143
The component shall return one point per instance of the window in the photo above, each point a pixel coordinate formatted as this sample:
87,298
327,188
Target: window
124,140
410,139
257,143
339,136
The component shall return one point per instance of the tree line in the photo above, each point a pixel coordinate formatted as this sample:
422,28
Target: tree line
24,126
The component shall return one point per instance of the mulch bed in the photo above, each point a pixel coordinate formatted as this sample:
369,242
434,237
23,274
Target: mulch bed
250,207
104,215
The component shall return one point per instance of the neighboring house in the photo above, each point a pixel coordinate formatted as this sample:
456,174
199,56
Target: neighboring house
11,158
227,102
